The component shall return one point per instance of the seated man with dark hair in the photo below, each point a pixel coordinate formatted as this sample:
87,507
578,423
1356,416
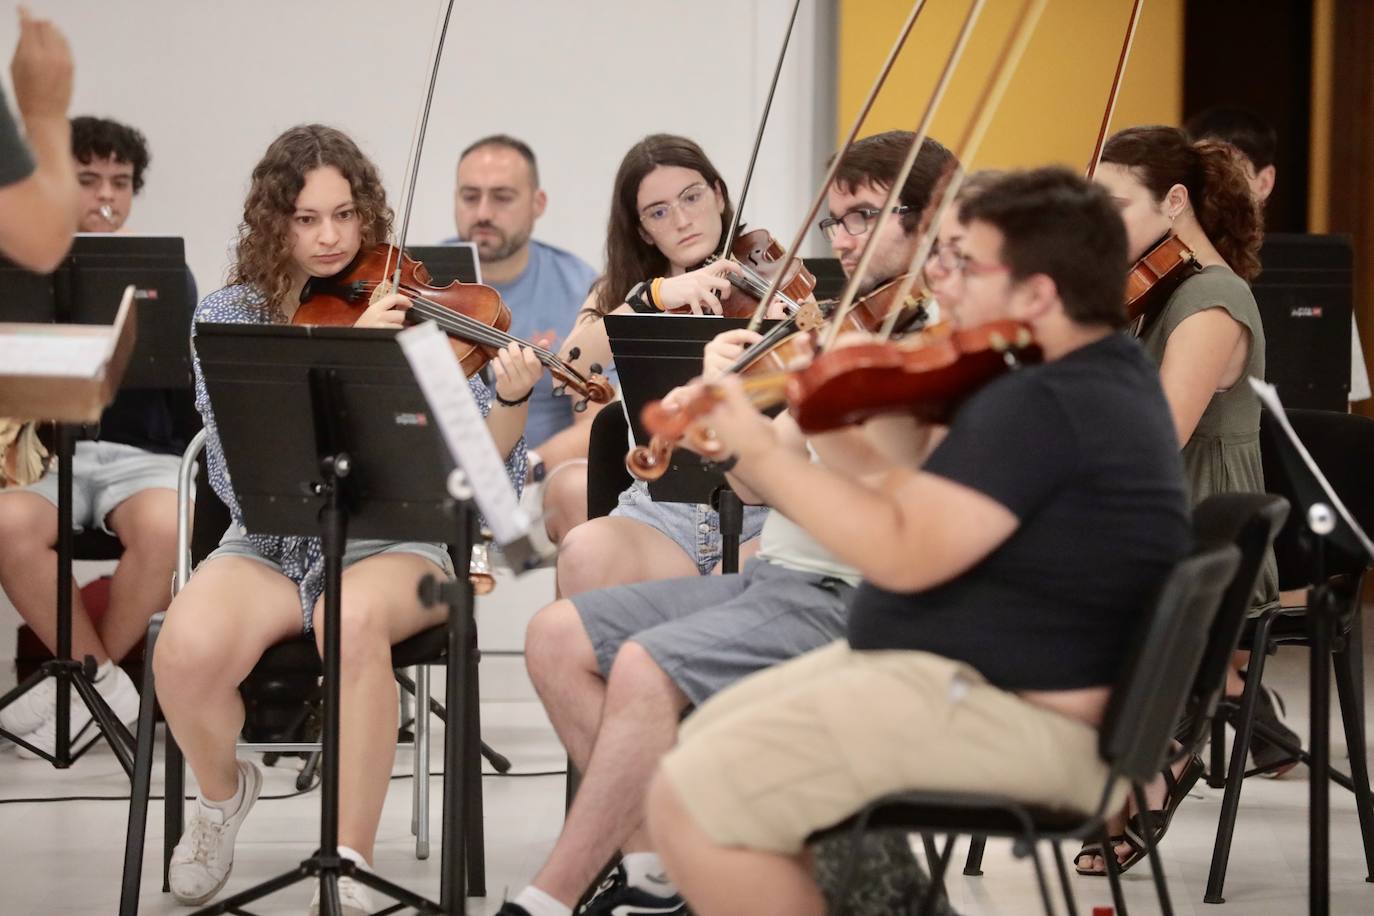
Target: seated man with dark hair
1003,579
123,483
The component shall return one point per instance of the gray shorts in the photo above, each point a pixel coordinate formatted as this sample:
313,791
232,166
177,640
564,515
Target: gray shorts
234,544
104,475
694,528
710,632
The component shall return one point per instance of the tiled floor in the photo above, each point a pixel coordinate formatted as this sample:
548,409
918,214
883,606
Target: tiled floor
64,858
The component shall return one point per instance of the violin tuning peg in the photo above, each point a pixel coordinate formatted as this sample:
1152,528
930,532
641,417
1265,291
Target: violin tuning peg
580,406
574,353
998,341
595,368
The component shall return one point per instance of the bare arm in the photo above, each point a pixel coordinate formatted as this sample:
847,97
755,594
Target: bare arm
38,214
1206,353
912,531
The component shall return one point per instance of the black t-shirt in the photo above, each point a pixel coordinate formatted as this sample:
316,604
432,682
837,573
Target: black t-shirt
1083,451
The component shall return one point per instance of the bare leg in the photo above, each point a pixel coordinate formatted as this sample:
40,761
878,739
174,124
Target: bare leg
28,573
380,607
562,665
565,498
146,524
722,880
617,551
232,611
638,726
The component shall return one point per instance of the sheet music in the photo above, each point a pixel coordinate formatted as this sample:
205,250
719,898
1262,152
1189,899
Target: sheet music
1269,395
61,355
446,390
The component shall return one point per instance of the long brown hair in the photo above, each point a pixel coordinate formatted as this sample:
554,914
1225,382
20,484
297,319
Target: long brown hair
1213,174
264,245
629,258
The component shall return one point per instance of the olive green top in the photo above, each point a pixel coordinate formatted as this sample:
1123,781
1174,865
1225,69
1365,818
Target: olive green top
1223,454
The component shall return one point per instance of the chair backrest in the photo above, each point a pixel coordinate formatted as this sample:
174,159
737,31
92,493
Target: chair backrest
1251,521
1342,445
606,473
1149,698
198,531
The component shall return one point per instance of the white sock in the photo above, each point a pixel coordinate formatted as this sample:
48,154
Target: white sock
538,903
348,852
645,871
104,670
230,806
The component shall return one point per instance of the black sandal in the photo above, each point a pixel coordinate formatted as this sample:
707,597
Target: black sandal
1158,820
1094,851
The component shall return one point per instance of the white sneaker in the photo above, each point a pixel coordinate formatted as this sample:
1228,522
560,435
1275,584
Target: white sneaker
354,899
28,712
119,692
202,860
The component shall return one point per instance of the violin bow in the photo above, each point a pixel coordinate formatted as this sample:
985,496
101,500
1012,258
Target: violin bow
993,90
729,240
1116,87
791,252
851,287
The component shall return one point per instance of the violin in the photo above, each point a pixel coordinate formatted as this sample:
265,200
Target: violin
472,314
760,257
1160,271
766,366
927,375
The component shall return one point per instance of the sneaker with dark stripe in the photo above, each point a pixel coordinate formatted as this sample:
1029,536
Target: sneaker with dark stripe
616,897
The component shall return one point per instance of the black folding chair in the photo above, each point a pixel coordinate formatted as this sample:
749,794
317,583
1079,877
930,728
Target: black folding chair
1343,447
1136,740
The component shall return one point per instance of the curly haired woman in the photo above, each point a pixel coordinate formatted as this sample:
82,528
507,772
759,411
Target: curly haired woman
314,203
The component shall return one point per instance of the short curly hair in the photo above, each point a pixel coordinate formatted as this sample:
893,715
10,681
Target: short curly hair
104,138
263,258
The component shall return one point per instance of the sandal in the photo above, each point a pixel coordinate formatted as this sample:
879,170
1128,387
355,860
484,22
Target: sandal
1094,851
1157,821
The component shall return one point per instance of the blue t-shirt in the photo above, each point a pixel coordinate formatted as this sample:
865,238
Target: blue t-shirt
546,297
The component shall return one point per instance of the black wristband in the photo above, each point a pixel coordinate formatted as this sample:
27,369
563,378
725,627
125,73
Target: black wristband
516,403
640,298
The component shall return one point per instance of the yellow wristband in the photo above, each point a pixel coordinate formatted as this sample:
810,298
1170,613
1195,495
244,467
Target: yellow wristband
653,293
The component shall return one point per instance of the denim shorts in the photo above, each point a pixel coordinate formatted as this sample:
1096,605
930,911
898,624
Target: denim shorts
694,528
234,544
104,475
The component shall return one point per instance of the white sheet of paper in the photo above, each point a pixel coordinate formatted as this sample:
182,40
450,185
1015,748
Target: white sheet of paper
1270,396
465,432
53,354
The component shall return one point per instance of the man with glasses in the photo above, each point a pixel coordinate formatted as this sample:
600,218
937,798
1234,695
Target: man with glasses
617,668
993,617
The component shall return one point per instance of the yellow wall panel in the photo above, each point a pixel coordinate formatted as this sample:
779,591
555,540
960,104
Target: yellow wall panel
1053,107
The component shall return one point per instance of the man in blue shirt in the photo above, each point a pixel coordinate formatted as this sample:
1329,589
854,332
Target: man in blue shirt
496,201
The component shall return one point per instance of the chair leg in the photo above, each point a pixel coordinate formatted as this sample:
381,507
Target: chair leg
1113,867
173,805
938,866
1235,776
137,829
1348,690
1033,850
973,864
420,815
472,784
1070,903
1166,906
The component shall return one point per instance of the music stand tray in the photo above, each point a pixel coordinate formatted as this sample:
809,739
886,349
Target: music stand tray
353,452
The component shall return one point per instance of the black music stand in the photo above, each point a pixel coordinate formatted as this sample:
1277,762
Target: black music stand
86,289
345,412
1328,526
653,355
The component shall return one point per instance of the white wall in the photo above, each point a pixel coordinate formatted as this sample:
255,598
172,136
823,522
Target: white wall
211,83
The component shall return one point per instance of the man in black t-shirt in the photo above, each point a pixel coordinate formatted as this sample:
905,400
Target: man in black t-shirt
1002,579
124,483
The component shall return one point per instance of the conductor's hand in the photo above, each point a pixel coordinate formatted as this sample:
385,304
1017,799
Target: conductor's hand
41,69
702,290
724,349
515,369
387,312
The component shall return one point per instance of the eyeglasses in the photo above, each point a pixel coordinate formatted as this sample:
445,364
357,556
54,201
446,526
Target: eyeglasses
950,259
856,222
692,198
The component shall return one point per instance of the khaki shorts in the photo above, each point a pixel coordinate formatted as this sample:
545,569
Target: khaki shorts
803,746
